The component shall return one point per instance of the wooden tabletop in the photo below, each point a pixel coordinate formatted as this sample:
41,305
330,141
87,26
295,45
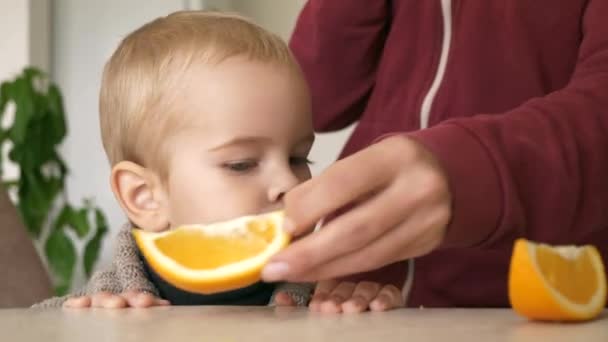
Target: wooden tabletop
228,324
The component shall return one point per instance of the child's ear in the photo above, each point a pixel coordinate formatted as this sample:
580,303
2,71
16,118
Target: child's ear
140,193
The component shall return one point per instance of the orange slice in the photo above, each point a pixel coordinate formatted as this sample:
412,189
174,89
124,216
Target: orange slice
556,283
217,257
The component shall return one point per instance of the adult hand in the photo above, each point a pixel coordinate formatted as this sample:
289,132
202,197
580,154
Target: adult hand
400,207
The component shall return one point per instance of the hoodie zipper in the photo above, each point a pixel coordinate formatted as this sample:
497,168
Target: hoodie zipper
427,105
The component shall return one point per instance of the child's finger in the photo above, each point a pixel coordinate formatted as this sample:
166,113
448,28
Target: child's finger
388,298
142,299
283,299
162,302
342,292
322,292
78,302
108,301
364,293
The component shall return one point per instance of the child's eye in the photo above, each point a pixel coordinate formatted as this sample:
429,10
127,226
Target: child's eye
299,161
241,166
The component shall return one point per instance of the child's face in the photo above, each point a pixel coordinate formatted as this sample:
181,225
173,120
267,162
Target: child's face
244,141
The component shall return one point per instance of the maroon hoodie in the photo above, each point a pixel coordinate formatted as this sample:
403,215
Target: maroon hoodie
510,95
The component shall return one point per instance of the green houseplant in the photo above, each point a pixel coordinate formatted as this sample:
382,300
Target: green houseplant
32,141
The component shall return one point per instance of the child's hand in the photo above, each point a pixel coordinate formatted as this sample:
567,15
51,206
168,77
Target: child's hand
284,299
115,301
348,297
292,294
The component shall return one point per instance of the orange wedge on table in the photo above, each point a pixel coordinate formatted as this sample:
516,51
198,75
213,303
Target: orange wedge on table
557,283
217,257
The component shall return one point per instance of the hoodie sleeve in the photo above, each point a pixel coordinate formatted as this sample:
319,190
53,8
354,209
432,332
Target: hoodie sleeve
340,81
539,171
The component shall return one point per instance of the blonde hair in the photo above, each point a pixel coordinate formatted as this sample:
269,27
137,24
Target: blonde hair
135,101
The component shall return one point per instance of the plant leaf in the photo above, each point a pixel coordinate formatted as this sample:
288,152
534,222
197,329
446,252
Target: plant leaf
5,95
57,127
61,256
33,204
91,252
79,222
63,169
3,135
37,130
63,219
93,247
30,73
10,183
54,186
100,220
40,148
23,93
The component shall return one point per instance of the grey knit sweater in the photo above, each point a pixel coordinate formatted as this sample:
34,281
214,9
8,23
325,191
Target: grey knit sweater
127,272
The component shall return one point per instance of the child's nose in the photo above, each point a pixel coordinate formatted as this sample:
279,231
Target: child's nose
281,184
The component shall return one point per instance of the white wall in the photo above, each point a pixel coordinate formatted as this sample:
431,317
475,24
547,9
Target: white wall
14,56
14,45
25,27
84,35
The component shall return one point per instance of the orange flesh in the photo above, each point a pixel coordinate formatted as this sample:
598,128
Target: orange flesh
576,280
195,250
